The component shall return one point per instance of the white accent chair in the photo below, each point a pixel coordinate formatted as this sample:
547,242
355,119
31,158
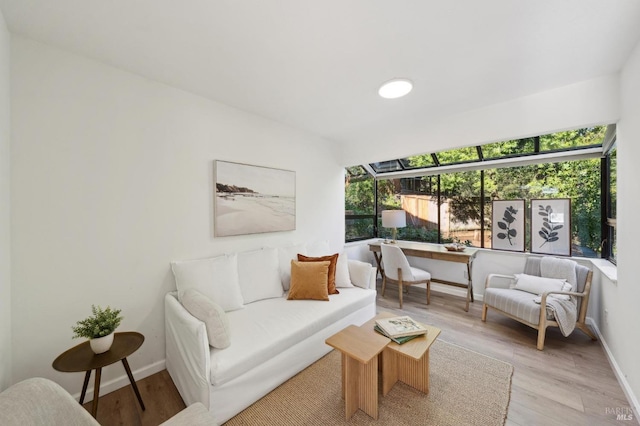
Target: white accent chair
398,271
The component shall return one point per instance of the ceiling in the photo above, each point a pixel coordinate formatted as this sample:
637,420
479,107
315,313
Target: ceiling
317,65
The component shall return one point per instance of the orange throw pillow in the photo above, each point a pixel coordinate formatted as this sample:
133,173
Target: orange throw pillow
331,285
309,280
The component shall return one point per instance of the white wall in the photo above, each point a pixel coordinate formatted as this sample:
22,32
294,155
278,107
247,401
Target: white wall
112,179
577,105
622,299
5,202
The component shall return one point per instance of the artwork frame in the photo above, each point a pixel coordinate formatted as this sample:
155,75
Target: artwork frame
551,226
251,199
508,218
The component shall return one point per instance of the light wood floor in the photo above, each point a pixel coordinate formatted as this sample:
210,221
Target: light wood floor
569,383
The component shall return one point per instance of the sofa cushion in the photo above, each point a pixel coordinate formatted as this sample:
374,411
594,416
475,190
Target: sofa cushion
309,280
360,273
538,285
259,275
263,330
343,280
211,314
515,302
285,256
331,275
216,278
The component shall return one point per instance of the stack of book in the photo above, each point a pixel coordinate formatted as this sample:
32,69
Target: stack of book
400,329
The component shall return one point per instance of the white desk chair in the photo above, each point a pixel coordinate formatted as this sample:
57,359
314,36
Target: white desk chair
398,271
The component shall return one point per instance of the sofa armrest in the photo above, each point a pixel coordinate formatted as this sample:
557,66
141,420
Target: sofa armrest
492,279
372,278
40,401
543,296
188,356
363,273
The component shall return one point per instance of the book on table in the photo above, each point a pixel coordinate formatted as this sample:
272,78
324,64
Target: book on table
398,340
401,327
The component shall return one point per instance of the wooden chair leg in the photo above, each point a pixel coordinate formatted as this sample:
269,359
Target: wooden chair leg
384,283
542,331
400,286
484,312
428,292
585,329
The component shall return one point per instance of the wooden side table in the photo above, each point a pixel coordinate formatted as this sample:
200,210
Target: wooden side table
360,352
407,363
81,358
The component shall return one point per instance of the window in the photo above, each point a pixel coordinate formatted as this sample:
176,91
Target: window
580,138
457,156
609,244
456,206
418,161
509,148
359,204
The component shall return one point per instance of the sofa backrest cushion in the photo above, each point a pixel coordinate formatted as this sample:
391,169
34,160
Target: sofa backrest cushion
331,275
343,279
285,256
532,267
211,314
259,275
216,278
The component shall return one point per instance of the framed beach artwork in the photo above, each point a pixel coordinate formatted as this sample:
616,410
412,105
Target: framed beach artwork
507,225
551,226
253,199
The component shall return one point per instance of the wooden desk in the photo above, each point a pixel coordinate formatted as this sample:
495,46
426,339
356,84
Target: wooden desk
435,252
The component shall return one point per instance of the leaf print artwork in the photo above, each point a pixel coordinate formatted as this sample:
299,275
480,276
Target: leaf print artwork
548,232
507,220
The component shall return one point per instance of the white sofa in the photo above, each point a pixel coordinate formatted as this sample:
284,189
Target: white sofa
272,338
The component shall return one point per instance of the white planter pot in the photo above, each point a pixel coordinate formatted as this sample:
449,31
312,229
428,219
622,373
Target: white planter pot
101,344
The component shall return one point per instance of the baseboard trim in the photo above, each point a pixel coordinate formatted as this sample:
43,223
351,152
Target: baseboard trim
626,388
455,291
122,381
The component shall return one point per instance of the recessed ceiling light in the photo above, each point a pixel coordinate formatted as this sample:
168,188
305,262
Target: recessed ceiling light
396,88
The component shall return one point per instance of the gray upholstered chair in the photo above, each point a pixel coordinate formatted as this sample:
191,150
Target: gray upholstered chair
398,271
39,401
520,305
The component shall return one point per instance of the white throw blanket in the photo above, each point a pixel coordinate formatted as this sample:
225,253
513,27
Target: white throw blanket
564,269
565,312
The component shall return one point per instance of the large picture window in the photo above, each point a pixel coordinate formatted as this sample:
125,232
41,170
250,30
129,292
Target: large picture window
456,206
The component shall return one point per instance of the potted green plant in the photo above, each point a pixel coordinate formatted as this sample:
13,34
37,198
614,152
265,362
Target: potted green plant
99,328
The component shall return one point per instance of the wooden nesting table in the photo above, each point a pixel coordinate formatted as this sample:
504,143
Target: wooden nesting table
364,352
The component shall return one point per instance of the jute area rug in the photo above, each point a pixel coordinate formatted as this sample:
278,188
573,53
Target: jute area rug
465,388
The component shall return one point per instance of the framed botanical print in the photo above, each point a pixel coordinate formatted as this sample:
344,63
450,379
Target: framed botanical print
507,225
551,226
